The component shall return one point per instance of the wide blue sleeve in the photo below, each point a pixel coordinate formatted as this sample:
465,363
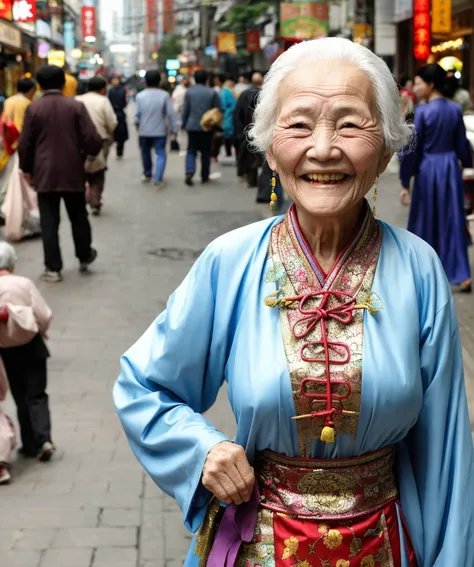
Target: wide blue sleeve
168,379
410,160
441,449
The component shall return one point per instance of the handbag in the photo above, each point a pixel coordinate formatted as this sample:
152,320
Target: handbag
174,146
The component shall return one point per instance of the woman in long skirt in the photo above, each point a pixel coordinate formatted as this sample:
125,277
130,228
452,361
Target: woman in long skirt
437,202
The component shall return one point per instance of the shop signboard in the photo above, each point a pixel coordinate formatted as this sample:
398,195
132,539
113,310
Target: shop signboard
24,11
56,57
10,35
152,16
6,7
441,14
88,16
421,29
227,43
253,41
168,16
303,20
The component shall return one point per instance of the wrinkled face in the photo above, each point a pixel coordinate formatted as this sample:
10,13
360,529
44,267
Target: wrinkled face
421,89
327,144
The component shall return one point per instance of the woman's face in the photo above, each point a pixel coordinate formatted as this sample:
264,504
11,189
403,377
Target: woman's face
422,90
327,144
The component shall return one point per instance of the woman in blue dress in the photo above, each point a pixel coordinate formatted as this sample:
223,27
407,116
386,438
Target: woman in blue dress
437,202
336,336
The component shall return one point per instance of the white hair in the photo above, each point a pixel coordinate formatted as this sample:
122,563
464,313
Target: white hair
7,256
396,131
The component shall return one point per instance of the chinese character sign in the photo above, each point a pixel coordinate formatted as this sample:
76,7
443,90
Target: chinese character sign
168,15
253,41
24,11
441,16
6,9
421,29
88,23
151,16
226,43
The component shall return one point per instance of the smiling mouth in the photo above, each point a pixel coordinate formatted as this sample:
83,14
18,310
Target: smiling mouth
326,178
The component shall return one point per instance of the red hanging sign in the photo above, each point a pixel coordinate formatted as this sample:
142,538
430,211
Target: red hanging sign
151,16
24,11
6,9
421,29
168,16
88,23
253,41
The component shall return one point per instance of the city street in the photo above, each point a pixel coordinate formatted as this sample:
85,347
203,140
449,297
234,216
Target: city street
92,506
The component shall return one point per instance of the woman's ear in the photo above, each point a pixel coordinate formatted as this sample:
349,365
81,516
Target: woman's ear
384,160
271,159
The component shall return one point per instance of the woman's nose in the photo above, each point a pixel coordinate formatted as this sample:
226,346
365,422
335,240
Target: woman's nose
322,147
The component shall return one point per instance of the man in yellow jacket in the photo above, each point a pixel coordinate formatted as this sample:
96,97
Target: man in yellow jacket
15,106
70,86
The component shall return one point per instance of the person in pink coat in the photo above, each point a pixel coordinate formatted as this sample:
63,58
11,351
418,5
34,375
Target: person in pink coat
24,321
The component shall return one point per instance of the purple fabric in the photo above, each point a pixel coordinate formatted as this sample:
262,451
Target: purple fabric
237,525
437,206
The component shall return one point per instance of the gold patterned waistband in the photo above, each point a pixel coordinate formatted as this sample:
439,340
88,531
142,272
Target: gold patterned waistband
327,489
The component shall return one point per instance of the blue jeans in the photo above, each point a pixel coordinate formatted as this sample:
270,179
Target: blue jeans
159,145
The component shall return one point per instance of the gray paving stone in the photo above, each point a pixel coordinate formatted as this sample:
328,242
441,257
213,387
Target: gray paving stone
123,557
118,517
25,559
35,539
8,538
71,557
95,537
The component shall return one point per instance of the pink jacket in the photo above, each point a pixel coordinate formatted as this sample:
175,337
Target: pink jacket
28,312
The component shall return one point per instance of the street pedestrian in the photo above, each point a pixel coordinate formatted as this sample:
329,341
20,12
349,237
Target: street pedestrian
243,84
199,100
24,321
154,118
228,103
118,97
19,203
437,202
52,160
177,98
103,116
336,337
248,161
71,84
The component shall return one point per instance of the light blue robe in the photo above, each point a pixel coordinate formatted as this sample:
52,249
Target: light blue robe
216,327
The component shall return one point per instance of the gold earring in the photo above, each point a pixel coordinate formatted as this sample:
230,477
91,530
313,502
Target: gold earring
273,196
374,198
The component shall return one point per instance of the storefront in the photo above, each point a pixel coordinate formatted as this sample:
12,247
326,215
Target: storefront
11,58
453,50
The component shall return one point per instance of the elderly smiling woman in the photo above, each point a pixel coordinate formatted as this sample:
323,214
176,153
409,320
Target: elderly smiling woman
337,337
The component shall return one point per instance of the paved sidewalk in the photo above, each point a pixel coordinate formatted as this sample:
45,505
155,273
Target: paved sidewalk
92,506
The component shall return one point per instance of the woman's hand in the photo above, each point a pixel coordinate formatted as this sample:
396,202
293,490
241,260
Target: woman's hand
405,198
228,474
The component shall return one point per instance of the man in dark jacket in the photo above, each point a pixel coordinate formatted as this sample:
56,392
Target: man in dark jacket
199,99
248,162
57,136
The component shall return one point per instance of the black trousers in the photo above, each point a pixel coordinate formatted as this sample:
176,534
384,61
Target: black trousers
27,377
199,142
49,208
120,147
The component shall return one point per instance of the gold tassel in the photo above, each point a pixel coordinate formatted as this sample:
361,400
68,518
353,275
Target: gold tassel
327,434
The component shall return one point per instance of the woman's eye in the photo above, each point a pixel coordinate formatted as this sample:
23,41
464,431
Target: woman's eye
298,125
349,125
